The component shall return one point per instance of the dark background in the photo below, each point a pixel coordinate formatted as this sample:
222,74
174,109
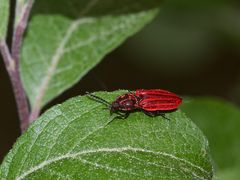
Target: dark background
192,48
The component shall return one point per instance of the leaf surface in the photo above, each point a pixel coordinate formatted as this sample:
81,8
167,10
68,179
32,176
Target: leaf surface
75,140
68,38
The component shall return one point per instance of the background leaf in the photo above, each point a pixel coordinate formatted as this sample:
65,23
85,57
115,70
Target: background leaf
68,38
74,140
219,120
4,13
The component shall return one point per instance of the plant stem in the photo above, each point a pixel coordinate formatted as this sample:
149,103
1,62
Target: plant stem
19,30
12,61
7,58
19,93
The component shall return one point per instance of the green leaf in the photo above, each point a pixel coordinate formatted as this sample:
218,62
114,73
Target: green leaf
219,120
4,13
75,140
68,38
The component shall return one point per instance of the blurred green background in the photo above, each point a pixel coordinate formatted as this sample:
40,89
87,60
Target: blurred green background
192,48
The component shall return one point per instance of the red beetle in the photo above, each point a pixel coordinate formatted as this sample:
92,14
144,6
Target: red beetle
153,102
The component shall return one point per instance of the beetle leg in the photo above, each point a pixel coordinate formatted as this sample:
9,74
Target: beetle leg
151,114
163,115
156,113
122,115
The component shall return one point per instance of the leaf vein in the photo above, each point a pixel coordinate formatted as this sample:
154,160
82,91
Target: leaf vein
104,150
97,165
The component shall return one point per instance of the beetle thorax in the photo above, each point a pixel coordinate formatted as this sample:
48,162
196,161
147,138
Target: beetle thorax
124,103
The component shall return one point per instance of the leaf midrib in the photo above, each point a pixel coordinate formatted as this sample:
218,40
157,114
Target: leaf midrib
106,150
54,62
37,103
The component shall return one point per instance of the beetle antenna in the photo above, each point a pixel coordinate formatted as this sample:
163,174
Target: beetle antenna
96,98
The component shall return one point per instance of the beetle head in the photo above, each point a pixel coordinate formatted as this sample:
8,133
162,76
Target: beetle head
115,106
